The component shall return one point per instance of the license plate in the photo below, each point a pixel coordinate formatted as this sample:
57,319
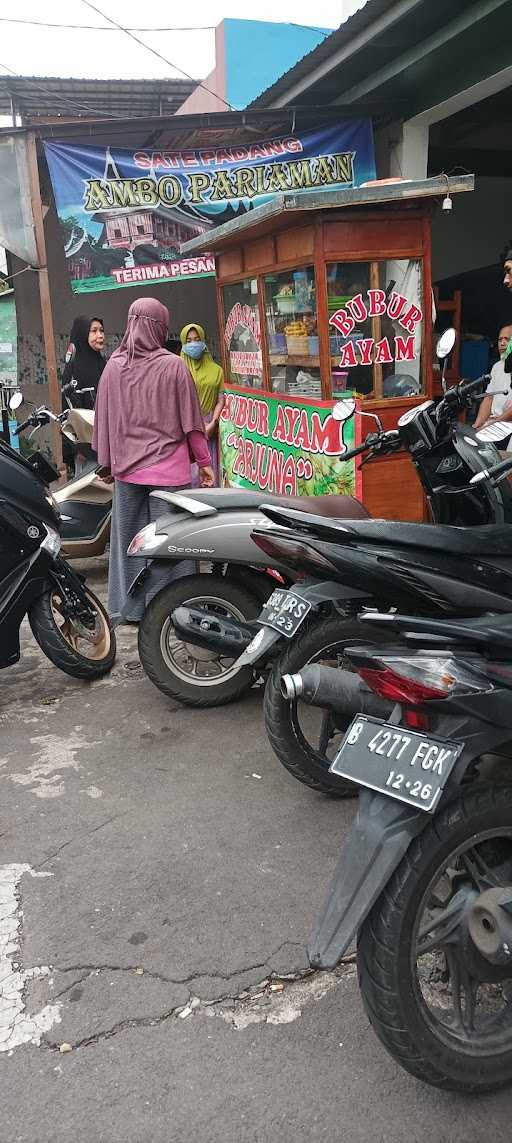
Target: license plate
392,760
285,612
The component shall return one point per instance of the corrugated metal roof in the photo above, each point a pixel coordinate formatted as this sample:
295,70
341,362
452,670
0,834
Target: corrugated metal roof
268,216
38,98
371,11
394,48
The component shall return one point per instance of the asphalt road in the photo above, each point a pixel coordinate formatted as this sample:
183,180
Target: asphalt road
159,871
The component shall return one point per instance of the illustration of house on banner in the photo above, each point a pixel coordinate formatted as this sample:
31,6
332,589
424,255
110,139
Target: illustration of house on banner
166,228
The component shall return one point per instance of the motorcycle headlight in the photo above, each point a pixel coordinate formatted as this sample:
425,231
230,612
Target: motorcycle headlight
145,541
51,542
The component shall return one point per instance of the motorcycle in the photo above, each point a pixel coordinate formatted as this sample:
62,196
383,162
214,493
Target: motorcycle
85,501
225,577
318,617
424,880
67,620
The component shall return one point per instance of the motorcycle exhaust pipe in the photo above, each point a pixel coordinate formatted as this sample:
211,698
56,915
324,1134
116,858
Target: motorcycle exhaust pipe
202,628
342,691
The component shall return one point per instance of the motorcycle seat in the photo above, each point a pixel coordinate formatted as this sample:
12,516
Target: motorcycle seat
333,507
482,540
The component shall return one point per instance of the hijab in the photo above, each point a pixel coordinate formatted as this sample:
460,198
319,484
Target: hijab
147,402
87,364
208,376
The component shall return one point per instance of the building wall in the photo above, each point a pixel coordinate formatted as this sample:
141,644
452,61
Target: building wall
8,338
250,55
212,95
475,231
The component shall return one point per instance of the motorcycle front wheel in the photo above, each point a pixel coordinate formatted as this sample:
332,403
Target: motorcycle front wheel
79,651
434,962
193,675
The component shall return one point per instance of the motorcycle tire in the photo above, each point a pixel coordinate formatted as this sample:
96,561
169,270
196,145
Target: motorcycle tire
285,734
397,996
166,665
64,646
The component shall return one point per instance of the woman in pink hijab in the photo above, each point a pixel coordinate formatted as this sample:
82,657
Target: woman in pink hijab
148,428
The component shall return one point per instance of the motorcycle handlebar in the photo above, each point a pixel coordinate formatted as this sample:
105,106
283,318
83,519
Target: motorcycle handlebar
24,425
460,392
495,473
356,451
375,441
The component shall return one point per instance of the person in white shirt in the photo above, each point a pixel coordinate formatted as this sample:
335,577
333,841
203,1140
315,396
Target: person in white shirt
497,403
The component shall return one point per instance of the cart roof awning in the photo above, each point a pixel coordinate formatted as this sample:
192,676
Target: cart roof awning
276,214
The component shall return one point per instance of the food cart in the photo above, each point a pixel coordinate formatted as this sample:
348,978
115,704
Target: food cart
323,295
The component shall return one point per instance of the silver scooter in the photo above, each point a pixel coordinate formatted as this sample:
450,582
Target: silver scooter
207,533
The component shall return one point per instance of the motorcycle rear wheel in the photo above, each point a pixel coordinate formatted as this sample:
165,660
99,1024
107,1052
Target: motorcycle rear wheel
65,643
442,1010
184,672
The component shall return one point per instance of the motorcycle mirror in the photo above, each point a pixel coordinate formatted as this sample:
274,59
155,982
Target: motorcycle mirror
15,400
344,409
446,343
374,417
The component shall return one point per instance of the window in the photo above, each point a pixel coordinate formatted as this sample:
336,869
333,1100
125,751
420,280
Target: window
292,332
242,335
117,232
141,230
376,327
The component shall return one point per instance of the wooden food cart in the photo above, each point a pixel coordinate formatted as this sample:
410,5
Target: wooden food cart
320,295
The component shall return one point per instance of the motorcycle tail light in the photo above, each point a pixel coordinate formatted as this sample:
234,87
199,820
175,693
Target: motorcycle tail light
282,549
145,541
416,720
420,678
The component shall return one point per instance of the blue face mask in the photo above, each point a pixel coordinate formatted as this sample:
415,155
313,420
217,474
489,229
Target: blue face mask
194,349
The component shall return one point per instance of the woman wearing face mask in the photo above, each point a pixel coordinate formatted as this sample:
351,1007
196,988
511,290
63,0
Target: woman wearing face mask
84,360
148,426
209,382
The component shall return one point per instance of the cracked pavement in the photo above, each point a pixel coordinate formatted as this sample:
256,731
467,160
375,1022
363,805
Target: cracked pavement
158,901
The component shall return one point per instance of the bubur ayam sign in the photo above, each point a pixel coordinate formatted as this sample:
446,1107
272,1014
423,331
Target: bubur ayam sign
286,446
406,318
124,214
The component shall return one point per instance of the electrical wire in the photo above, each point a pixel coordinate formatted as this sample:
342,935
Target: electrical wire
100,28
167,28
155,53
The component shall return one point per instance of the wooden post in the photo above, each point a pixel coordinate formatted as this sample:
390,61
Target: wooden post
376,327
44,294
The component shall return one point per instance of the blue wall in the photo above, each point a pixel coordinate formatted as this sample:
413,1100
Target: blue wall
258,53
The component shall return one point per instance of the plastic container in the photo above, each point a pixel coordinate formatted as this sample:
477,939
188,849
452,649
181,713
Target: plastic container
297,346
277,343
286,303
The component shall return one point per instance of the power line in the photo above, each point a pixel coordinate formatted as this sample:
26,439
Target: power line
155,53
100,28
167,28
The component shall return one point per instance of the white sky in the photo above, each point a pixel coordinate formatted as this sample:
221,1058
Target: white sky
111,54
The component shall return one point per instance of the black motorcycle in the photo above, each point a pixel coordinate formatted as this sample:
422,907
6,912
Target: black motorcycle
67,620
424,881
376,563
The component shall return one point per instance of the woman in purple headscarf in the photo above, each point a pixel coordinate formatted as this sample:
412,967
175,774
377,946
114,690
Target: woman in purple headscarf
148,427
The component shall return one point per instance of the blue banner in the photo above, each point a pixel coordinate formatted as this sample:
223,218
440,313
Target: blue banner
124,214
